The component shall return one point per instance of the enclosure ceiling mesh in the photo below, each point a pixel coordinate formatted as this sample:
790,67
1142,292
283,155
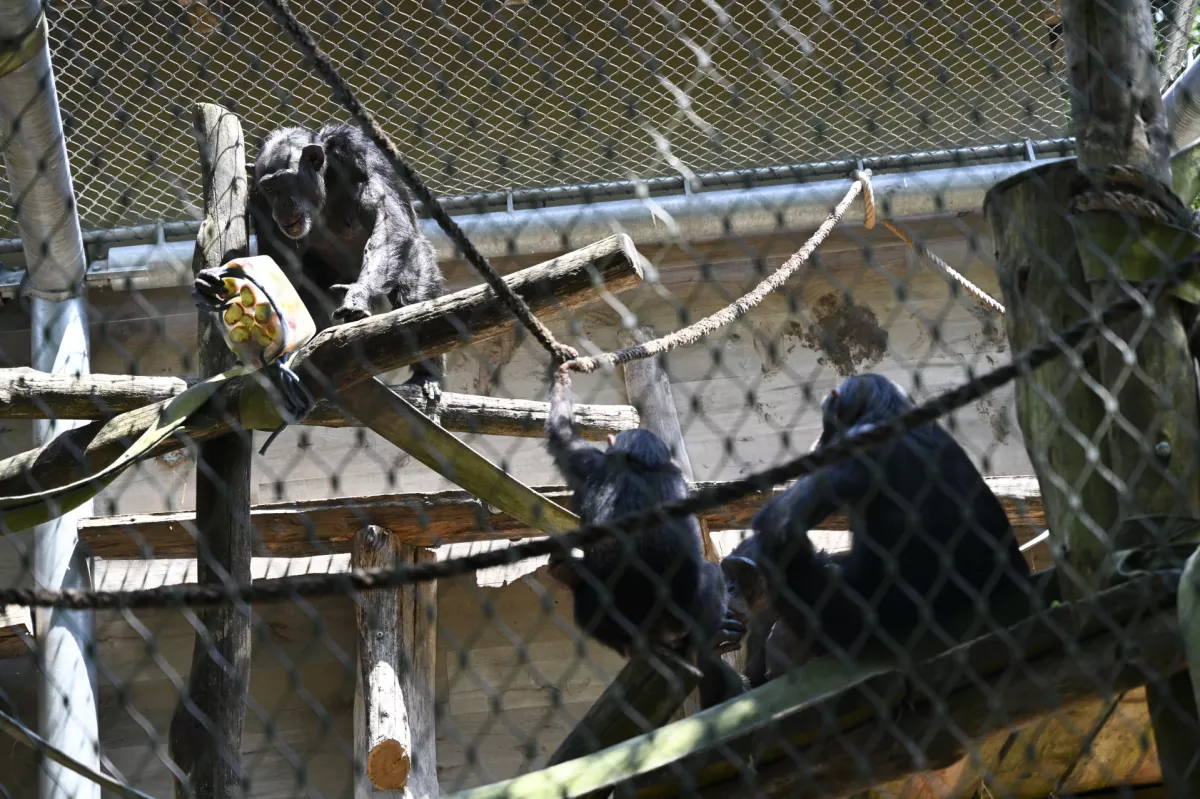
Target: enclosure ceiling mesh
489,96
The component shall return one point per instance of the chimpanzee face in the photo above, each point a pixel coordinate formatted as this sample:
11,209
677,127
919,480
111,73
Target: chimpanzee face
290,173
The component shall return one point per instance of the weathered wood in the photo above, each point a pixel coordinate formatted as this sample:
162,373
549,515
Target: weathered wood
349,353
327,526
950,698
16,631
1035,258
648,388
219,681
29,394
652,688
1116,102
1119,121
418,639
382,744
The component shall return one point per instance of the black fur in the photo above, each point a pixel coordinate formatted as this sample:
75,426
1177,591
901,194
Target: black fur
909,501
635,473
772,647
329,209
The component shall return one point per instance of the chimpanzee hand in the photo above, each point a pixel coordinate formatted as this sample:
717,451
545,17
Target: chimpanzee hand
356,302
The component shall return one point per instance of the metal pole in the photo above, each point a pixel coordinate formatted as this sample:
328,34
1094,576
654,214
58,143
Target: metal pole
67,713
39,178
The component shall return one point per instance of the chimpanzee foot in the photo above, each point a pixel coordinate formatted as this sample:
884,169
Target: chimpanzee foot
294,397
432,389
297,400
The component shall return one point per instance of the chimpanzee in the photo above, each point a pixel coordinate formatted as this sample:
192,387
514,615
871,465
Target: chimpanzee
630,570
926,530
772,648
329,209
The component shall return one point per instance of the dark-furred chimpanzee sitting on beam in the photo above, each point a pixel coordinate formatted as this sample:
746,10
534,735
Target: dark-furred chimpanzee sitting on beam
926,531
628,570
328,208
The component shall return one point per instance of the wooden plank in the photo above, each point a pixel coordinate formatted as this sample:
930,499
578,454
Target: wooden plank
382,744
207,727
326,526
418,637
349,353
29,394
16,632
648,387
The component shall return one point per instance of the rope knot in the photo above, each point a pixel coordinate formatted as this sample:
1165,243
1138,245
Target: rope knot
563,353
863,176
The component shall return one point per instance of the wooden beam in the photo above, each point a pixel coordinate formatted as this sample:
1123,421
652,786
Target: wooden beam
16,632
327,526
29,394
207,726
643,696
348,353
418,638
829,713
648,388
382,744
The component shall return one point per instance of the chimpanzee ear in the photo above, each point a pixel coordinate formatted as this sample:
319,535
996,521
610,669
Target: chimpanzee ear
313,156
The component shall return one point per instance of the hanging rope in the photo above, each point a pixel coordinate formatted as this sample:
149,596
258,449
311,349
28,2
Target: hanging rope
981,296
742,305
1073,339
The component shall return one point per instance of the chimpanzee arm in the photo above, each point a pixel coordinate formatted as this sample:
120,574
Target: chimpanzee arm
385,258
578,460
719,632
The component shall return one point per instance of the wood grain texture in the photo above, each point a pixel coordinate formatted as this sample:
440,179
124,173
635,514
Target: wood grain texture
325,526
30,394
1116,103
349,353
382,743
206,731
418,624
16,632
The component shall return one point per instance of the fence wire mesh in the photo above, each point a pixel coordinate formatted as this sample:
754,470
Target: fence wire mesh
993,605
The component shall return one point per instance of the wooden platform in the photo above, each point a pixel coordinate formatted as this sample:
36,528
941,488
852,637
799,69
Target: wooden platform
327,526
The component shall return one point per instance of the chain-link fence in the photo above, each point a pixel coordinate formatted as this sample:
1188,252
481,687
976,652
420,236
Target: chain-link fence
761,400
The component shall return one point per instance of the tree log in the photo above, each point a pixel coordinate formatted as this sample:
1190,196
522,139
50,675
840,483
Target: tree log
327,526
642,697
346,354
648,388
219,681
808,733
1116,102
29,394
382,744
418,638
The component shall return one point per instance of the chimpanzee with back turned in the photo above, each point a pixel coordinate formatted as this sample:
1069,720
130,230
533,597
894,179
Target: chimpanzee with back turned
328,207
634,474
910,501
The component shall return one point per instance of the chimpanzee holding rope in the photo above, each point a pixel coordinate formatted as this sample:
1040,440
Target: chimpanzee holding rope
653,584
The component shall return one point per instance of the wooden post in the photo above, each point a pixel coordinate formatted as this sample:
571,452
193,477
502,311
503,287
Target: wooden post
394,734
220,674
1118,116
648,389
1035,258
418,638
